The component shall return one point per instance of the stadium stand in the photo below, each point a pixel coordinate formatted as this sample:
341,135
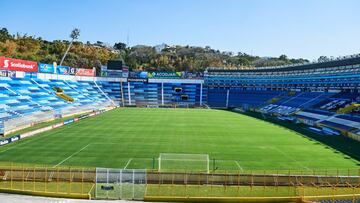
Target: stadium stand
318,94
27,101
35,98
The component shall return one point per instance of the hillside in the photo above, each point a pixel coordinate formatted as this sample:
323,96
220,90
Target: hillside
140,57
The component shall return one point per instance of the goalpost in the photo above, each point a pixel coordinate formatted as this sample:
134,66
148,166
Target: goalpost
188,162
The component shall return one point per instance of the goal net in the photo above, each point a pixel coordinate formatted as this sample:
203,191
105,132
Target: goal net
181,162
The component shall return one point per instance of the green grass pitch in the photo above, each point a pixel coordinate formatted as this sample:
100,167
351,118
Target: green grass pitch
133,137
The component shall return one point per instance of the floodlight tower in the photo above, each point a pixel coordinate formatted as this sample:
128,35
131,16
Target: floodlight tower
75,33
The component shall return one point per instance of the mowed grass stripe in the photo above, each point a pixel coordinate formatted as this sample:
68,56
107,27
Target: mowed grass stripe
140,135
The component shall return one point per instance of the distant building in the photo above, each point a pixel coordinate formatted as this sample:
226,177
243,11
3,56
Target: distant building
160,47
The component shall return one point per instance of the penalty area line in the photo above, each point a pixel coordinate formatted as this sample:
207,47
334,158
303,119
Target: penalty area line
69,157
291,158
237,163
127,164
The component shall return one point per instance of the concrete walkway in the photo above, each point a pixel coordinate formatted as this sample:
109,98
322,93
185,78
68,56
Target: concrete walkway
11,198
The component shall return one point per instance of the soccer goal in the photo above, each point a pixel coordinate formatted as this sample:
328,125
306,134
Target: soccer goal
187,162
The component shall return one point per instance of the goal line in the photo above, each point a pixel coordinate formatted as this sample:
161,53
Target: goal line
176,161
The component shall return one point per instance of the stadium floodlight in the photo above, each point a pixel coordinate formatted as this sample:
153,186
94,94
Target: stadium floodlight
188,162
75,33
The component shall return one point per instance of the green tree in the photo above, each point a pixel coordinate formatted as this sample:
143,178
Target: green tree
5,35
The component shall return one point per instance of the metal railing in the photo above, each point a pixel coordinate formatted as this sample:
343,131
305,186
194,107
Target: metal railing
138,184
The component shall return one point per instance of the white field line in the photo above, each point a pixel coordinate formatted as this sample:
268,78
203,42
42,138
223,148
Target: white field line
8,149
69,157
290,157
237,163
22,143
127,164
26,141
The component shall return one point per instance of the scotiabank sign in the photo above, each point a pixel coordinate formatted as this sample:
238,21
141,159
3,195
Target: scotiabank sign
18,65
85,72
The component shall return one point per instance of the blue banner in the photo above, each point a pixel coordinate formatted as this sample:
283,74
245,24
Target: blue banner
66,122
7,73
64,70
9,140
46,68
114,73
142,74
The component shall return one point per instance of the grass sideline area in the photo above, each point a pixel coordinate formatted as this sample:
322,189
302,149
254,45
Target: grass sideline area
134,138
42,125
341,143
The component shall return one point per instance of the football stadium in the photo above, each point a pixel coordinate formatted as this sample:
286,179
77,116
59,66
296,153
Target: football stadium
173,123
273,132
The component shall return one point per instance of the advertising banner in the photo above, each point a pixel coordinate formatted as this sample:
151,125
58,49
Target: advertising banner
63,70
31,133
85,72
54,68
9,140
11,74
5,73
125,72
132,74
145,80
190,75
57,125
72,71
83,117
165,74
114,73
66,122
46,68
103,72
18,65
142,74
4,142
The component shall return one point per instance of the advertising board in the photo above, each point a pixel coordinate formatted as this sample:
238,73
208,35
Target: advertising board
18,65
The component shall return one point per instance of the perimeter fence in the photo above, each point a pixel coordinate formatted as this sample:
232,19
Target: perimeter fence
150,185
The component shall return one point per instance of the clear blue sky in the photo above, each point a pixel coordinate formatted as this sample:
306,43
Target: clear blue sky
302,28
